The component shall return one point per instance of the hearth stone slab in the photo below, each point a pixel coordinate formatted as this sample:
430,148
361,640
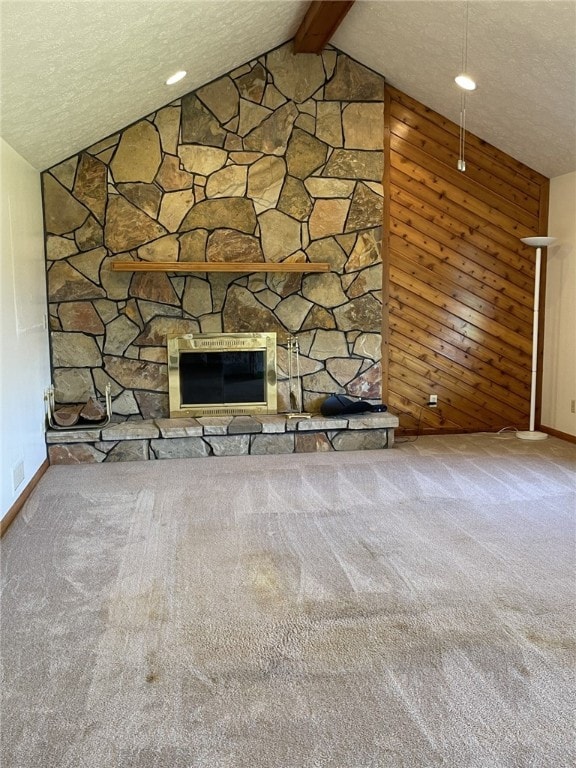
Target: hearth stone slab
221,436
311,442
359,440
272,423
76,453
215,425
179,448
272,444
131,430
229,445
368,421
316,423
179,428
129,450
72,436
244,425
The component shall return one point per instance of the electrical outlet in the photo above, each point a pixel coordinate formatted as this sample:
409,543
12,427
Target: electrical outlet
572,406
17,475
432,401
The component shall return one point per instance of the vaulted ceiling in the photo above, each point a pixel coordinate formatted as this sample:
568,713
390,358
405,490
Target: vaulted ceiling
75,71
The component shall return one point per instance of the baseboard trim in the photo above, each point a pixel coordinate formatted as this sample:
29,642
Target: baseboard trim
415,432
10,516
556,433
411,432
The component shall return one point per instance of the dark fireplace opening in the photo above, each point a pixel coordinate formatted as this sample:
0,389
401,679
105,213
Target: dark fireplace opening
222,377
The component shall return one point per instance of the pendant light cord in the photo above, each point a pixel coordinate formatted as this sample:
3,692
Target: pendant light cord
465,43
462,137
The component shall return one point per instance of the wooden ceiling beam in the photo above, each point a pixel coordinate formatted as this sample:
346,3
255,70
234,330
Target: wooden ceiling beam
321,21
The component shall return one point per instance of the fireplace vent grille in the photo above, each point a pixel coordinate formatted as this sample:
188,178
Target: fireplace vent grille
218,411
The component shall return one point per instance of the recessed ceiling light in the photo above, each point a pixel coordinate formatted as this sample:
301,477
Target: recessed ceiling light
176,77
466,82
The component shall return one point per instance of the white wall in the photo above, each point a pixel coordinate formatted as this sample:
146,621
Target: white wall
559,363
24,362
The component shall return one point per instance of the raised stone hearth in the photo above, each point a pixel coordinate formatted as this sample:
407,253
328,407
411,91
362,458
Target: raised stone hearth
221,436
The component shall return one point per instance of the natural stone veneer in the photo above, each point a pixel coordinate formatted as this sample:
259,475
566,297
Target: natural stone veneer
279,160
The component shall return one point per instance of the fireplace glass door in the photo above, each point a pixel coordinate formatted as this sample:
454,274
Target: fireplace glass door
222,374
222,377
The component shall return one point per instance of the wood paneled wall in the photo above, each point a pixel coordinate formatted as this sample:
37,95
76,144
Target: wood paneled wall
459,283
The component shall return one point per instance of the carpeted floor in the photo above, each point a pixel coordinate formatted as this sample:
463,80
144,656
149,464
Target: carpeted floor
408,608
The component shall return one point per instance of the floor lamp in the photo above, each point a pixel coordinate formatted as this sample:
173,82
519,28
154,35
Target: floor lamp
538,243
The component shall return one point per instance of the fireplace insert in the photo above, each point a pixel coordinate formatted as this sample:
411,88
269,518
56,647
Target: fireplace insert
222,374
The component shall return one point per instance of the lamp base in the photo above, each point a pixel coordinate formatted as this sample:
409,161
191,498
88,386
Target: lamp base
531,435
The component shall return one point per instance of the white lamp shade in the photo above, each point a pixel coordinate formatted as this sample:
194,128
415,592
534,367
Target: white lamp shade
538,242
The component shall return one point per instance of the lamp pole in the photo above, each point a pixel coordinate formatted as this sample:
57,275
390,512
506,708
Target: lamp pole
538,243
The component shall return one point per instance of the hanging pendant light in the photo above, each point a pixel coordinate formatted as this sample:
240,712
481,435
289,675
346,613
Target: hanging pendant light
467,83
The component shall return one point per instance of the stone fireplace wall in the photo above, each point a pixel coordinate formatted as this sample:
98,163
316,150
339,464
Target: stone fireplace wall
279,160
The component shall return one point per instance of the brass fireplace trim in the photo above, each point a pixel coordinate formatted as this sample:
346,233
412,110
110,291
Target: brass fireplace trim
220,342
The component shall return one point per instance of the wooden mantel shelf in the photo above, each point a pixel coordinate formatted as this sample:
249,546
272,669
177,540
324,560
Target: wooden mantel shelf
218,266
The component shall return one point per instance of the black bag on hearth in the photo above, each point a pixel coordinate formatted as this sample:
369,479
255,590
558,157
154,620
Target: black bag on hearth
336,405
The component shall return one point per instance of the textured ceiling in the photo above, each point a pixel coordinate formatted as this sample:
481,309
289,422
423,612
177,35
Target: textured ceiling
74,72
522,55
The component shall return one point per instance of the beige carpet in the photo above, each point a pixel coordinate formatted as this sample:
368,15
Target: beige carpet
408,608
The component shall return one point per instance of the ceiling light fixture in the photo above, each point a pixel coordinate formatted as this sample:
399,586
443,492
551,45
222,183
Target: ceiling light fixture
467,84
176,77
